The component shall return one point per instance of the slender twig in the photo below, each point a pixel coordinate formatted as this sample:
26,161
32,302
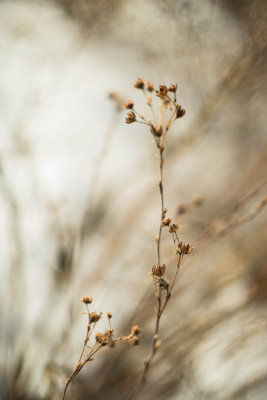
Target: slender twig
161,162
78,368
87,334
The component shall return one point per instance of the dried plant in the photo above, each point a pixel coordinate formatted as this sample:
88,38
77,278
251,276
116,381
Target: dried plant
169,112
102,339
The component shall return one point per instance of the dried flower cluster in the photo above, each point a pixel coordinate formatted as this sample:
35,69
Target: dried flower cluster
102,339
169,111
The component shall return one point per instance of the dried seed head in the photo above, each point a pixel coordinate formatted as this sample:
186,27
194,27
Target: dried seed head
86,300
136,330
158,270
149,86
162,92
129,104
156,130
166,221
173,88
139,83
184,248
104,338
99,337
173,228
180,112
130,118
109,315
134,341
94,317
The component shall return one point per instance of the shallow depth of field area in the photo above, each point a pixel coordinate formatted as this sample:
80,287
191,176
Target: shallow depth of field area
80,200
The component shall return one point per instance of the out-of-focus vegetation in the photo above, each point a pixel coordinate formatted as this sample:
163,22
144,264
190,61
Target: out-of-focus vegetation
80,205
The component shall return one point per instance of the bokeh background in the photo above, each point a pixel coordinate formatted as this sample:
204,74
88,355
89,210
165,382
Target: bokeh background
80,204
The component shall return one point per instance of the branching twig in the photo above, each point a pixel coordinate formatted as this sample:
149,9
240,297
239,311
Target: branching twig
101,339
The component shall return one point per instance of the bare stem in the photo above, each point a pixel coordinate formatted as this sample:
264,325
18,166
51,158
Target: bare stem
161,161
78,368
87,334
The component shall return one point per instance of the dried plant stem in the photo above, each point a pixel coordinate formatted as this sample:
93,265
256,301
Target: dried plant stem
161,161
79,366
161,303
164,288
103,339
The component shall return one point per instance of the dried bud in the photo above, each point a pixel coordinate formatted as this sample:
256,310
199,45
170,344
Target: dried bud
156,130
99,337
173,88
94,317
162,92
173,228
104,338
86,300
129,104
109,315
134,341
130,118
167,221
158,270
180,112
136,330
139,83
184,248
149,86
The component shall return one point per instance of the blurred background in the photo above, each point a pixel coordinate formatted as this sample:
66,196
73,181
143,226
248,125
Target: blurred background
80,204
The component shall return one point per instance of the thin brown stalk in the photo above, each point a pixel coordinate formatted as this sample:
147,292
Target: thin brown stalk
164,289
79,367
161,162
